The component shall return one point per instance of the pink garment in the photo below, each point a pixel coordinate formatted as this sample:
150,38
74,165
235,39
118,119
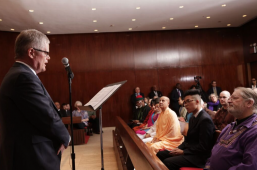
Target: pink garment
150,122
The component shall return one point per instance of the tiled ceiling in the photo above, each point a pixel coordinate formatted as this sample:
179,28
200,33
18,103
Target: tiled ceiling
77,16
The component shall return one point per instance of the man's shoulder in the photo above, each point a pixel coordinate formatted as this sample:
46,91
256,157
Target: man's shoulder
203,115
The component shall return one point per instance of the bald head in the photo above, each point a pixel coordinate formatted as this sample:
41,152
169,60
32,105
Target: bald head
224,95
164,102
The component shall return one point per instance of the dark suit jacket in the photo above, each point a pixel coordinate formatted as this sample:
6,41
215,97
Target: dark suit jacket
210,91
31,130
65,113
174,100
199,140
151,94
133,99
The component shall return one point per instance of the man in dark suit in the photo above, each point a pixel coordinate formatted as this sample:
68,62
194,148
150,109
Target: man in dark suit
175,95
196,148
155,92
133,98
214,89
32,134
64,111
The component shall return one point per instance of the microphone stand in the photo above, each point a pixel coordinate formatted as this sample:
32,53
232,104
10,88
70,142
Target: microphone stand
71,119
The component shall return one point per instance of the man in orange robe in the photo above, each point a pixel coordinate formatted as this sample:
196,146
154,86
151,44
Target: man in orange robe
168,135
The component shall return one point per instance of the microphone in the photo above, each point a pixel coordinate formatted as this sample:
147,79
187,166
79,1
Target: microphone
65,62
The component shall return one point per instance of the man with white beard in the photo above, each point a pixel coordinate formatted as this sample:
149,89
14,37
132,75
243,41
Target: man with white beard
236,147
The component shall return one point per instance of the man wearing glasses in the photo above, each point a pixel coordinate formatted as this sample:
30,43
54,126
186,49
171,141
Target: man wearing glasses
236,146
253,83
196,148
32,133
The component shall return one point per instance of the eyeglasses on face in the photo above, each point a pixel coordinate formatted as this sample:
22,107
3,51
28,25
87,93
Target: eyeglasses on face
187,101
253,80
46,52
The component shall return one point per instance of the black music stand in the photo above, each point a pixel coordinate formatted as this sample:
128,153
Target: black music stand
96,103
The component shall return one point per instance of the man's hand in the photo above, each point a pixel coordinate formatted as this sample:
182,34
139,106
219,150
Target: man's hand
135,121
181,119
84,120
147,135
155,140
61,149
176,152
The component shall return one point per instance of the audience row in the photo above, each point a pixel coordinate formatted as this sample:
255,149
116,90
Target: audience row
234,115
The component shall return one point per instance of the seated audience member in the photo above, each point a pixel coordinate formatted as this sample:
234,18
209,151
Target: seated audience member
152,108
222,117
168,135
155,92
253,86
175,95
57,105
143,128
64,111
236,146
94,122
83,114
196,148
150,134
182,109
214,89
213,105
133,98
146,100
140,113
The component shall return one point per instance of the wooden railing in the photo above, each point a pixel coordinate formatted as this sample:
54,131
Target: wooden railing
131,152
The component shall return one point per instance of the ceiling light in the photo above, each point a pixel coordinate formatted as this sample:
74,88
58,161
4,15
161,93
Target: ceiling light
181,6
94,20
133,19
0,19
223,5
130,29
93,9
137,7
48,32
163,27
228,25
31,10
95,30
196,26
12,29
208,17
171,18
41,23
244,15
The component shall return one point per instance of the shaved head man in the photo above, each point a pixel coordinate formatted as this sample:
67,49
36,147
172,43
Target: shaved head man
168,135
222,117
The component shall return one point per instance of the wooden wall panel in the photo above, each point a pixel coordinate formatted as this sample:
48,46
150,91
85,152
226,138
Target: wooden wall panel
143,59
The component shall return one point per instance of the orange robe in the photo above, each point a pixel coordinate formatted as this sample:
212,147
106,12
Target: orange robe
167,131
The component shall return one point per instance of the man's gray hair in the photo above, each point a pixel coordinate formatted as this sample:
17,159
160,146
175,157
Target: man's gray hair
249,94
29,39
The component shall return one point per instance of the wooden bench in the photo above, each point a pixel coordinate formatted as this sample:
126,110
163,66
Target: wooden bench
78,134
131,152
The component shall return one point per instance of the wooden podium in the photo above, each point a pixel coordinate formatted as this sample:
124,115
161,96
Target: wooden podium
78,134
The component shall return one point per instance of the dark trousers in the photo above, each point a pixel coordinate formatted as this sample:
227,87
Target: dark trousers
95,124
173,162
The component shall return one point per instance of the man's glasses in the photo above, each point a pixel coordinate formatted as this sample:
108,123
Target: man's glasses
253,80
187,101
46,52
